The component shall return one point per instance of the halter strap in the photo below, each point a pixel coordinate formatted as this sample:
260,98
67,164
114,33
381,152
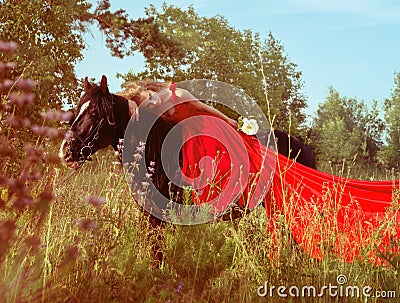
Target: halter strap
90,142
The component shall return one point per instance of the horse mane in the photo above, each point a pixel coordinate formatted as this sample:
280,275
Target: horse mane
104,103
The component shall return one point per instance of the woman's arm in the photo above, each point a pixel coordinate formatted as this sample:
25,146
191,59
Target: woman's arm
133,110
165,101
183,95
200,106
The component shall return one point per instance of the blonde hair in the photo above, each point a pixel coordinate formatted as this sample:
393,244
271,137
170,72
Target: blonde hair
135,90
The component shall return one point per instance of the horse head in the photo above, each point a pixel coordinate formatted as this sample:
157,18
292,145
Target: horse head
97,124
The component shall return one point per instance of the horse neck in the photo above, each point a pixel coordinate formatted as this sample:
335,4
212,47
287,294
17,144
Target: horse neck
121,116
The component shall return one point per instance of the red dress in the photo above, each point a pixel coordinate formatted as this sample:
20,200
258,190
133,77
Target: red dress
326,214
222,166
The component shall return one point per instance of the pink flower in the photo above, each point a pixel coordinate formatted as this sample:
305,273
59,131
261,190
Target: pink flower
26,84
95,201
9,47
21,99
56,115
87,224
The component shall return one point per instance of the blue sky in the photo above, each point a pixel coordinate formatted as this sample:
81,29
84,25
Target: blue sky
352,45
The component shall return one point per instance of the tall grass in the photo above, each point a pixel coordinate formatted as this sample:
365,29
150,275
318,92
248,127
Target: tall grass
94,250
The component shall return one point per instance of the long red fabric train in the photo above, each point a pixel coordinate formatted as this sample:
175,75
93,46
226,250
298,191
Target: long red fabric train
328,214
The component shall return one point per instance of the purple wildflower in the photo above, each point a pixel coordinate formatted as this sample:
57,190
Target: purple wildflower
180,287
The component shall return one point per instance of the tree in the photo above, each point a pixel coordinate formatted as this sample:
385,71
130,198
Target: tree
50,39
284,86
344,128
391,151
215,50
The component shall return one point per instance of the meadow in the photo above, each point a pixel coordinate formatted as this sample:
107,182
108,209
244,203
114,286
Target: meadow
92,243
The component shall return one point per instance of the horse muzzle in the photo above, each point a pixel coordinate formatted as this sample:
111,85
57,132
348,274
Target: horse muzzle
73,154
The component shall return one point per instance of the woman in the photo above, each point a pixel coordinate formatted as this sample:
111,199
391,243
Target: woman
221,165
326,214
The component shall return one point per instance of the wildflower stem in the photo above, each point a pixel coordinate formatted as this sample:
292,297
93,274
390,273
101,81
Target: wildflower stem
46,261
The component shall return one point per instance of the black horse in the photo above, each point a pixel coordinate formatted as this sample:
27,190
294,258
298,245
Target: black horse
102,118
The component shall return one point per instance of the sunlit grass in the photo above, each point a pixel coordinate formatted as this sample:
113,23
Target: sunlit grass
103,253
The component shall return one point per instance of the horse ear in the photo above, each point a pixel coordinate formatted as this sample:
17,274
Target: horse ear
87,85
103,85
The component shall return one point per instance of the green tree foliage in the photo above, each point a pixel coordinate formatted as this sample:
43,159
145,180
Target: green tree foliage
391,152
215,50
283,85
51,41
125,36
49,46
344,128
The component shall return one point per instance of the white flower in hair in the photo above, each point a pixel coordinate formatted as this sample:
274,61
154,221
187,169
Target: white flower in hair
248,126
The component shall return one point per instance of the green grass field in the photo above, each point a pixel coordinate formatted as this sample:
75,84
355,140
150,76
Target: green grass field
99,249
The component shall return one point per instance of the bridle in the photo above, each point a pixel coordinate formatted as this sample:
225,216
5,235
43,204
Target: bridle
88,143
87,149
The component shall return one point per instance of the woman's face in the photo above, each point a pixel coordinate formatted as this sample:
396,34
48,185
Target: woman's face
161,103
154,99
158,102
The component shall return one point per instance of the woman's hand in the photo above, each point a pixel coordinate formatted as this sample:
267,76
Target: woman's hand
133,110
